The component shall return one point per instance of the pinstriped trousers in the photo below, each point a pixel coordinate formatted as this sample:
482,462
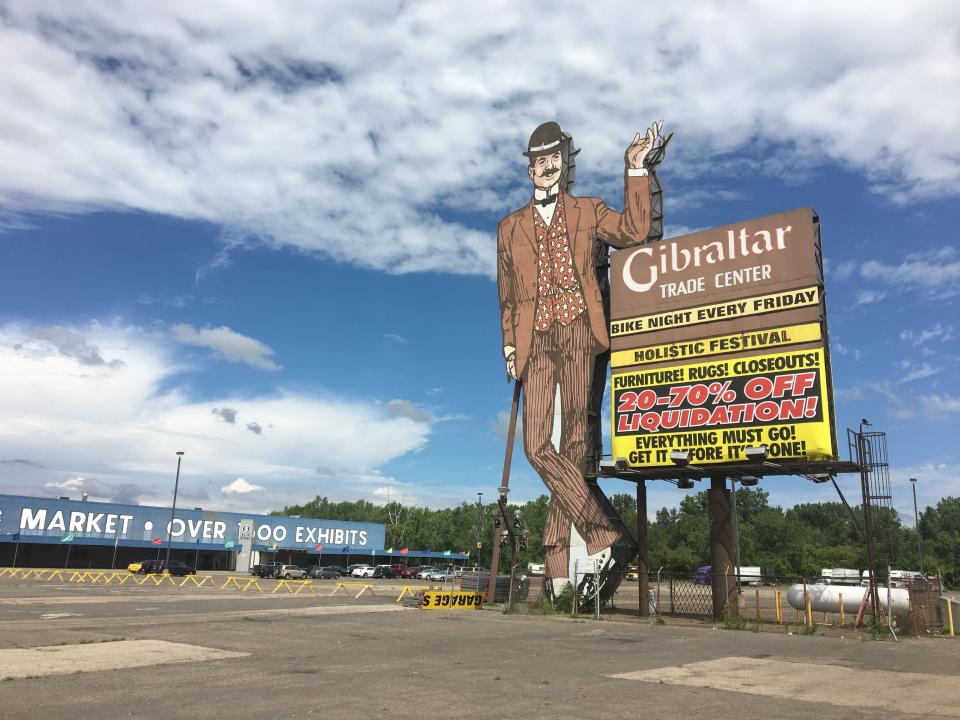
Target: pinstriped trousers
564,356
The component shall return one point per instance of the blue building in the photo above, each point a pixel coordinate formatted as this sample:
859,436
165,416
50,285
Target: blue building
43,532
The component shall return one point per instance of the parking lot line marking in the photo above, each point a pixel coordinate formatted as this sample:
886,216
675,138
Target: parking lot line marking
906,692
68,659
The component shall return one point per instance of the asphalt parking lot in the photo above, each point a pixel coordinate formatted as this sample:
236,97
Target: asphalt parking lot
93,651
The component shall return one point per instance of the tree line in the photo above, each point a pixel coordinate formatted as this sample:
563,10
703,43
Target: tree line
797,541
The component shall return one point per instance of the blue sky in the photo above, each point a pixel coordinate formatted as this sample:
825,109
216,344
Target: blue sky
266,236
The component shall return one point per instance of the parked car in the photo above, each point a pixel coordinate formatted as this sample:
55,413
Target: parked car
160,567
290,571
324,573
176,567
411,572
134,567
384,571
443,576
348,570
425,572
268,570
363,571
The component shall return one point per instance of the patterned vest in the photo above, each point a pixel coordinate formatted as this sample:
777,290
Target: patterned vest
559,295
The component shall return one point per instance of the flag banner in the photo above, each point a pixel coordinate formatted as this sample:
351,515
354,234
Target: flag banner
346,549
15,537
390,551
273,547
319,548
67,538
446,553
404,551
156,541
228,544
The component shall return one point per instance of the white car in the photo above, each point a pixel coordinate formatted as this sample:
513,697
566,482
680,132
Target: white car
363,571
426,573
443,576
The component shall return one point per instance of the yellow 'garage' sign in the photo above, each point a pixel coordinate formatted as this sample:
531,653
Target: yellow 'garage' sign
435,600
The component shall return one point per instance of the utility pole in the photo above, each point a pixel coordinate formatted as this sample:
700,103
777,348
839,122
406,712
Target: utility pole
916,523
176,486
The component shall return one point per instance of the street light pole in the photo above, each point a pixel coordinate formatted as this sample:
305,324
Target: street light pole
916,522
176,485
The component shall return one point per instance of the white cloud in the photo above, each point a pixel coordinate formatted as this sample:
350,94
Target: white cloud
241,487
406,409
868,297
841,270
287,124
916,372
936,273
940,404
397,338
937,332
227,344
123,424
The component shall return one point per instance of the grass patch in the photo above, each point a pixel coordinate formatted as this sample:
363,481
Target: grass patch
733,622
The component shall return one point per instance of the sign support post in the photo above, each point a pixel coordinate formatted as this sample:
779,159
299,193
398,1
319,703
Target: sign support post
643,550
724,587
504,484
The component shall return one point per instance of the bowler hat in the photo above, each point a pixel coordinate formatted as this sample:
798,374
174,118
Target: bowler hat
545,140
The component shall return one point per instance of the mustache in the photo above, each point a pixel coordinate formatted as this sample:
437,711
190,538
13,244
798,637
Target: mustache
549,172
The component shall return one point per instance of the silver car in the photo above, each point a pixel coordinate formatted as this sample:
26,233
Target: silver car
291,571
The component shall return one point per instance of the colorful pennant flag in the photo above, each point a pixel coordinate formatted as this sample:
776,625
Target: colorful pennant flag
390,551
446,553
319,548
273,547
404,551
228,544
157,541
15,537
346,548
67,538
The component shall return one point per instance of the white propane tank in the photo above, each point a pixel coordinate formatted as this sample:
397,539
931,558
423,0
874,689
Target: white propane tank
826,598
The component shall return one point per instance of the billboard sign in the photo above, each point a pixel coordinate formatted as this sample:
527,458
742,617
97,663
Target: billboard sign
46,520
719,343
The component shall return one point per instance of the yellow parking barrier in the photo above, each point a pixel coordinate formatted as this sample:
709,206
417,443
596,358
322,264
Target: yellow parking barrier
78,576
289,585
407,590
4,571
159,579
197,581
247,583
363,588
57,574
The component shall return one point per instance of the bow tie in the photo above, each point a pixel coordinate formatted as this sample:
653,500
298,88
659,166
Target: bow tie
548,200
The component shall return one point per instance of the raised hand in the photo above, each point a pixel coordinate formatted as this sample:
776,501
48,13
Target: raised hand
641,146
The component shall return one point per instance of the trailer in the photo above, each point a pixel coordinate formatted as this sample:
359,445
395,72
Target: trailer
840,576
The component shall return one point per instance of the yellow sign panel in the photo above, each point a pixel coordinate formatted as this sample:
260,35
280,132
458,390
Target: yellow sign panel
718,345
715,410
732,310
435,600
